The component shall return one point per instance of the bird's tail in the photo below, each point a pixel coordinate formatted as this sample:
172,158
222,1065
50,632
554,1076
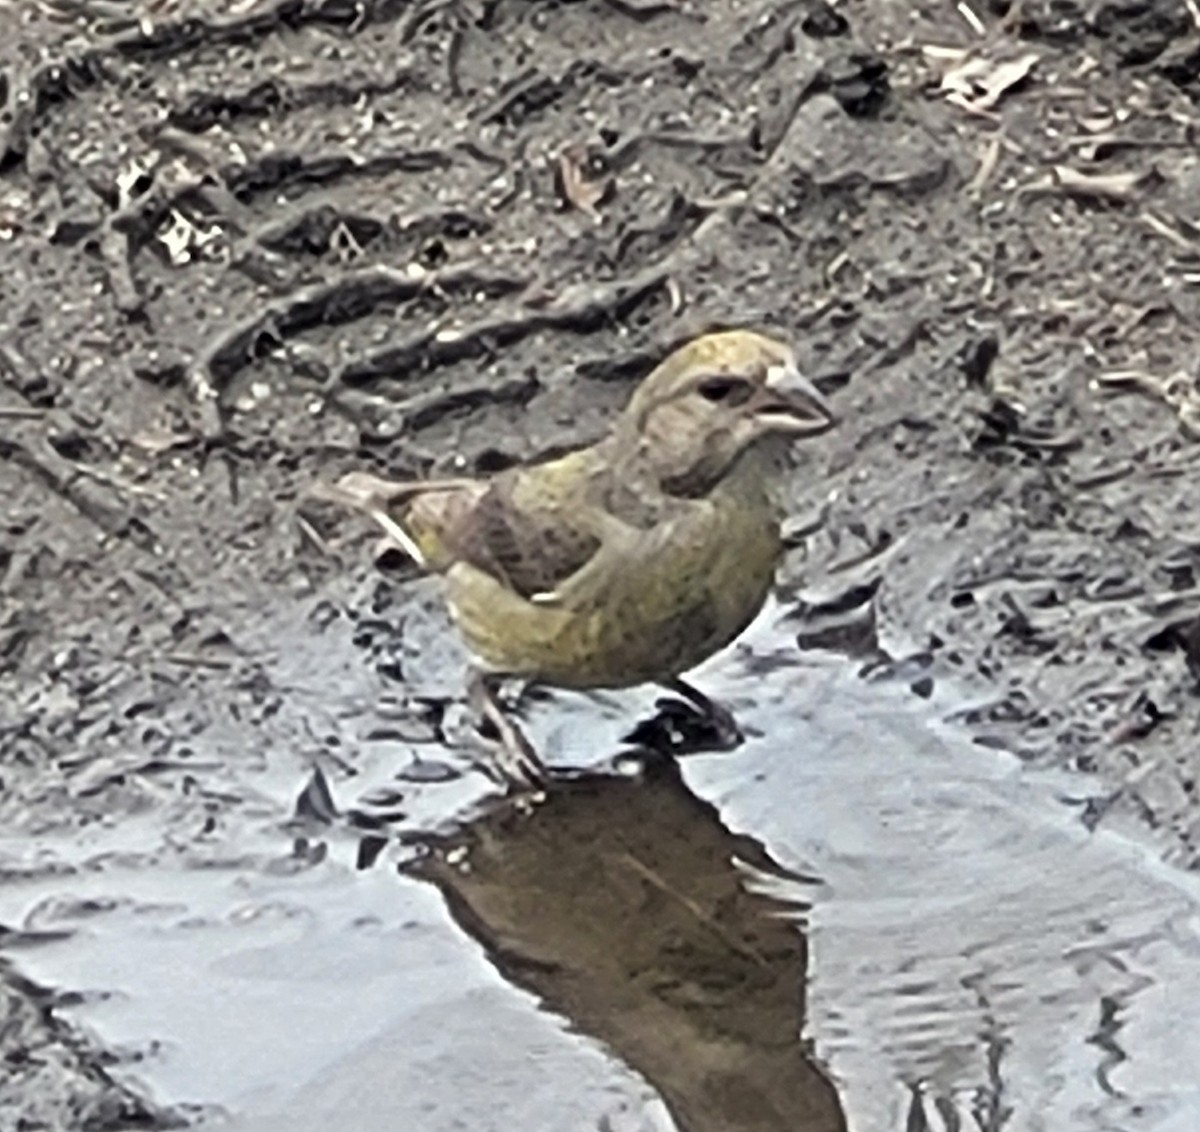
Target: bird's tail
418,516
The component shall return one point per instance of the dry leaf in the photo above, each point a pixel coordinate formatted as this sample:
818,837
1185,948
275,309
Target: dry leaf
978,84
576,187
1101,186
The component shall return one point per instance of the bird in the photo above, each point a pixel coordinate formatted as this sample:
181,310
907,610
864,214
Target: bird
626,561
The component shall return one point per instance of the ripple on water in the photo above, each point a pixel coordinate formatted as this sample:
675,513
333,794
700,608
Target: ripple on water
975,954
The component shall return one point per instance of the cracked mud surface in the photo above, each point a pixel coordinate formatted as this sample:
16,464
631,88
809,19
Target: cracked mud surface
252,246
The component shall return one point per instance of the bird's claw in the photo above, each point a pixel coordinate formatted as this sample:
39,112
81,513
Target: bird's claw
514,762
723,731
729,733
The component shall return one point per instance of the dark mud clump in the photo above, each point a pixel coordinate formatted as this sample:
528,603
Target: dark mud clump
52,1078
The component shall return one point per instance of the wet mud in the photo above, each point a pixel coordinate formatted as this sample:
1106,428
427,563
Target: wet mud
250,246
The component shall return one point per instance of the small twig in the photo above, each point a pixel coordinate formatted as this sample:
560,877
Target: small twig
987,166
195,660
795,535
310,533
1178,391
325,302
645,10
1157,224
115,253
1120,187
578,305
1140,380
454,50
54,473
890,355
207,399
15,126
1103,477
421,13
529,86
969,15
119,483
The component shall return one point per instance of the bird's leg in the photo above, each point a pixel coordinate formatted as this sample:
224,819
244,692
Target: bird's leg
717,714
516,760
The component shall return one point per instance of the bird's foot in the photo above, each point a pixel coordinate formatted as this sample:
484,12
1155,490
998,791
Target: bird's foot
514,763
721,718
690,724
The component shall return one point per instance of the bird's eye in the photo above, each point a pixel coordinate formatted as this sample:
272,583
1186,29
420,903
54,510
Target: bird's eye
726,390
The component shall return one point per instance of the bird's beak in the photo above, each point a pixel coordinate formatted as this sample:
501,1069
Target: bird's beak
793,405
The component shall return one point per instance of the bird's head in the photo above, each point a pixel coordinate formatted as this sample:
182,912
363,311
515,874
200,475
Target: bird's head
711,400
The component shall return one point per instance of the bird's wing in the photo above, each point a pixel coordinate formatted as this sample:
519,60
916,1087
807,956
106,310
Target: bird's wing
661,554
526,535
543,532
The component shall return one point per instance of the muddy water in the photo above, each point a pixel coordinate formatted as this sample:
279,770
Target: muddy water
856,920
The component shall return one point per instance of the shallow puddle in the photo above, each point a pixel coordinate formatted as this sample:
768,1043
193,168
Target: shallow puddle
858,919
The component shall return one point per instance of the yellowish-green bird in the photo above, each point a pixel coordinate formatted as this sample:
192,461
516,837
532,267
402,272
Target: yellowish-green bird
628,561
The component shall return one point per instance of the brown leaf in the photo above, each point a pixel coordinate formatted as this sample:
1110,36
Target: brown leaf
576,187
979,84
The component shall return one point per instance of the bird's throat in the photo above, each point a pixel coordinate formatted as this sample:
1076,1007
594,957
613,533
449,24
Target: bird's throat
755,463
